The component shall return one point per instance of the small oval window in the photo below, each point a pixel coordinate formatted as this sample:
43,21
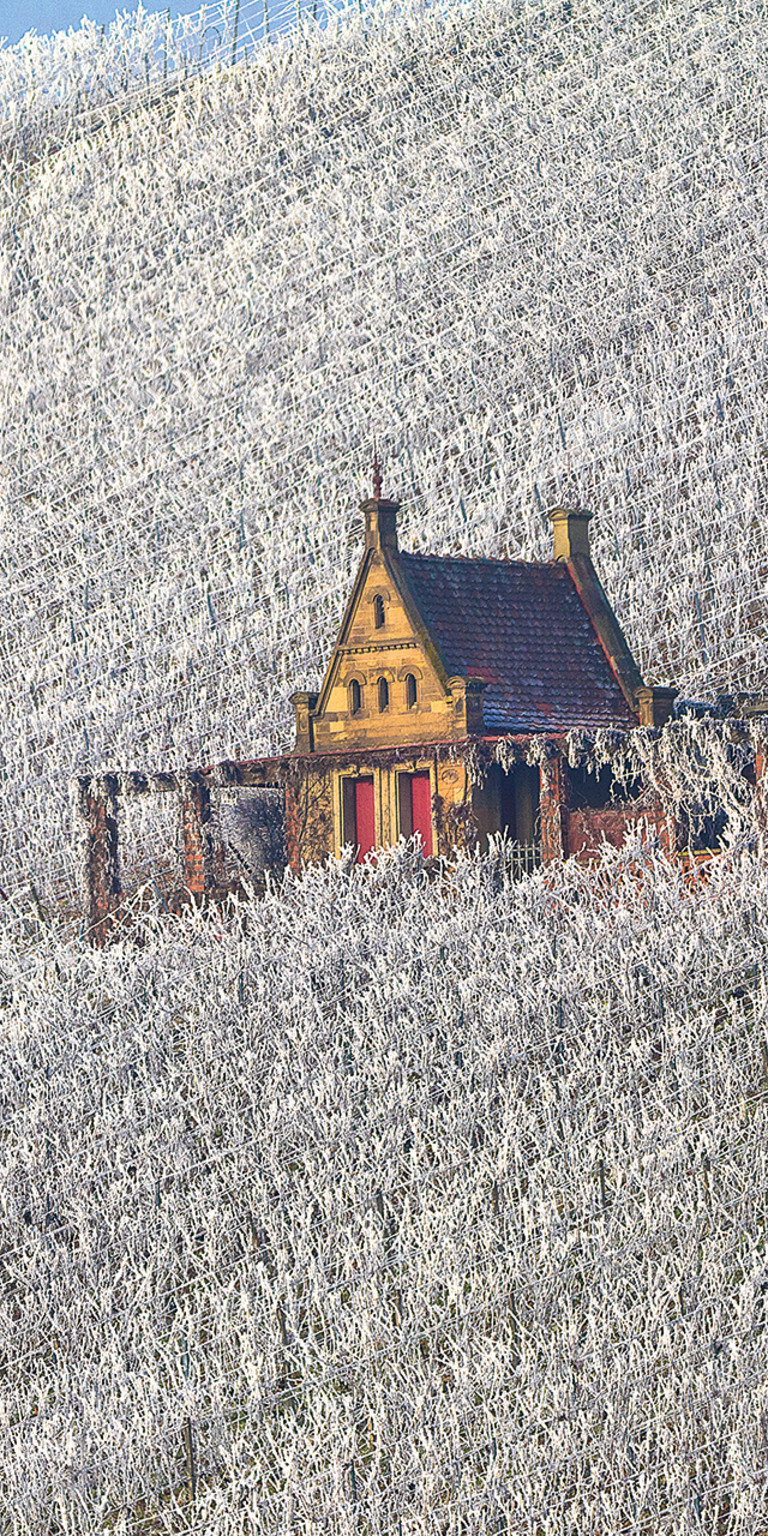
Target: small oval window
355,697
383,694
378,612
410,691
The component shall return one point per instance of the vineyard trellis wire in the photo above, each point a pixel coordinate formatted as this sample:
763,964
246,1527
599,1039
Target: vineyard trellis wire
59,87
419,1206
615,1147
206,498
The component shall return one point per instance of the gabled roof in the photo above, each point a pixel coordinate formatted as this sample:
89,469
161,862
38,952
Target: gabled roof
524,629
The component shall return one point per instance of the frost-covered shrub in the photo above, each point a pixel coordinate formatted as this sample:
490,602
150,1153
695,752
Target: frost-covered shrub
252,831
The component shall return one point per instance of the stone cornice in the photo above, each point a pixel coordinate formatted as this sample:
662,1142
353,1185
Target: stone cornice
392,645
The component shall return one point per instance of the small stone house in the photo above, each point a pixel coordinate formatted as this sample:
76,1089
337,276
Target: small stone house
437,661
448,697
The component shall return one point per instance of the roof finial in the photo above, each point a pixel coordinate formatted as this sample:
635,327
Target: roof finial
570,494
376,472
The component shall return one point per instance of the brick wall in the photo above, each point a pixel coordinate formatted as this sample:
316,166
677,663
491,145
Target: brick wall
586,830
196,840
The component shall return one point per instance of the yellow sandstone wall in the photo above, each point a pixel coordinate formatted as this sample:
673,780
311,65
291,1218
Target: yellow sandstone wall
314,811
309,817
392,651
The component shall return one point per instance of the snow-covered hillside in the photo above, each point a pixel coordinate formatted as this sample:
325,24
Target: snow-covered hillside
508,238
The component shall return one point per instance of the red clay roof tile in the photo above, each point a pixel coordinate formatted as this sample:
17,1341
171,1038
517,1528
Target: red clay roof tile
524,629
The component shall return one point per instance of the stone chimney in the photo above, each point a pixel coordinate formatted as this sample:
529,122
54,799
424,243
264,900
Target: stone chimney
467,698
570,528
303,704
656,705
380,523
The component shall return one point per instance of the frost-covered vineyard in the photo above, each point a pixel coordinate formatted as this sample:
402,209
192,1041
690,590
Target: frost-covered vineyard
382,1207
432,1203
501,235
59,88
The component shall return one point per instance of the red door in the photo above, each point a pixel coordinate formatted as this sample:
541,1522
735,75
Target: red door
421,810
365,820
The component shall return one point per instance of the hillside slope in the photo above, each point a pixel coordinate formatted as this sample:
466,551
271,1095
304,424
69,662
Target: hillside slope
508,238
426,1207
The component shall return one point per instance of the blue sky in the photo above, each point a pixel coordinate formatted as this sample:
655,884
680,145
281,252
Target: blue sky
20,16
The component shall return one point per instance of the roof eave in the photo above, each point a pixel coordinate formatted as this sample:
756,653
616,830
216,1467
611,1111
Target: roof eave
607,628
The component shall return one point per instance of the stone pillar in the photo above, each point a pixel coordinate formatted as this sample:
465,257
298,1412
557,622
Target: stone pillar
380,522
295,821
102,882
570,531
196,841
553,779
655,705
309,819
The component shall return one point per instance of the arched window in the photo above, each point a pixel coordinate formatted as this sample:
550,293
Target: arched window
355,697
410,691
383,695
378,612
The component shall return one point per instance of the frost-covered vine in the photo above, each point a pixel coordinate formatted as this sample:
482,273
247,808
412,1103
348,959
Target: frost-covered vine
503,236
56,89
396,1200
697,769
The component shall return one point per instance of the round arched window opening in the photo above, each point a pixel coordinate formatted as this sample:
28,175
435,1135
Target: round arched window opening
410,691
383,695
355,697
378,612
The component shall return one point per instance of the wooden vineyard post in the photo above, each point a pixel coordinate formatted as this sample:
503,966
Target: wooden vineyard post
189,1461
98,807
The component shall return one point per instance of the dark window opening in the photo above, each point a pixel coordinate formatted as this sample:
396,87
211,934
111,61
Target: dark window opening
508,803
702,827
383,695
355,697
410,691
598,791
378,612
701,832
520,803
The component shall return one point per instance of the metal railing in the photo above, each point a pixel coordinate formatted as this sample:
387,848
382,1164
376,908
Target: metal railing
521,858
